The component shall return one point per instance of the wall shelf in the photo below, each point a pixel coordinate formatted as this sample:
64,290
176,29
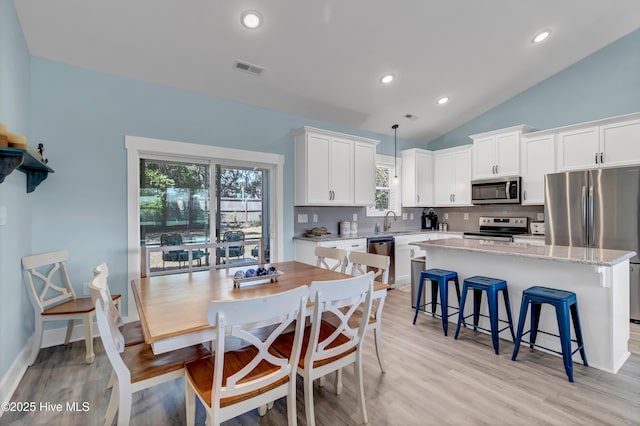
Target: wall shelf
23,160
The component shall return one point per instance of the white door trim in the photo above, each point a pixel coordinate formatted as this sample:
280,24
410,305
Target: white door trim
139,147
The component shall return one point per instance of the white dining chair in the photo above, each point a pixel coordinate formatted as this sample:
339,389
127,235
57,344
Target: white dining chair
331,347
54,299
136,366
131,331
360,264
254,375
331,258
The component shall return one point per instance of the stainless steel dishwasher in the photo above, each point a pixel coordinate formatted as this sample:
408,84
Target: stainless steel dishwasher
385,245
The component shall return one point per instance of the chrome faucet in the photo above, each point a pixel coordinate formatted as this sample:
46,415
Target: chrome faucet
387,226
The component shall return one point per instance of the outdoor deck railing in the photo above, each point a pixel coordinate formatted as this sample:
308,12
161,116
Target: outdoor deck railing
200,252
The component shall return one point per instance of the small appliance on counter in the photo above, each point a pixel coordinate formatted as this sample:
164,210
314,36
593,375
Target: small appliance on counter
429,220
537,228
344,227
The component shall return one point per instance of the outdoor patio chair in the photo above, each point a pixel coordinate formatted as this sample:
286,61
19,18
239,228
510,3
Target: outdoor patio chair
234,251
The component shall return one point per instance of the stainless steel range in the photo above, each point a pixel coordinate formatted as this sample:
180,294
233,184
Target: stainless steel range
499,228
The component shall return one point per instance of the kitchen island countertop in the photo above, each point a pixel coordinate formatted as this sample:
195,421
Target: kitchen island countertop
589,256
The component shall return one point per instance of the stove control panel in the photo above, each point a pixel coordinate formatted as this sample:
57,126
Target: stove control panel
501,222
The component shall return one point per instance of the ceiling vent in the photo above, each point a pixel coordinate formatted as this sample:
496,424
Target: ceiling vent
247,67
411,117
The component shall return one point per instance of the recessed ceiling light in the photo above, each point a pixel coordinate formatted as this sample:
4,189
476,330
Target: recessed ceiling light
443,100
251,19
540,37
387,78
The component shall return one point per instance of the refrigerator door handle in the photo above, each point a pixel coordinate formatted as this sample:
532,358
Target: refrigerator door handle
585,234
592,219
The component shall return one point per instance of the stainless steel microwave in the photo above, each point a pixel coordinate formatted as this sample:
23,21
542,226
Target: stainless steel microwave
504,190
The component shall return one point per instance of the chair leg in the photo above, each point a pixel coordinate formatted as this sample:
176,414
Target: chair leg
505,295
262,410
444,304
88,337
338,380
575,316
377,336
37,340
523,317
535,320
357,367
124,405
565,339
292,413
112,408
308,401
70,324
477,304
434,297
112,379
420,289
493,319
190,402
461,310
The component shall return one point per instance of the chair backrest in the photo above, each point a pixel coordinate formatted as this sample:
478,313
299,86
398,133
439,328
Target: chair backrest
338,255
237,318
171,240
100,282
361,261
339,299
51,270
112,338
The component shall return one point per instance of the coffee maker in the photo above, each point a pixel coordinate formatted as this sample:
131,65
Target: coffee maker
429,220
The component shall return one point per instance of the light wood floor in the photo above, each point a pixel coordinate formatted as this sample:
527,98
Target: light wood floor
430,379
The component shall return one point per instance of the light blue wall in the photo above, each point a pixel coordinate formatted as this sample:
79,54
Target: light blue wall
82,117
604,84
16,314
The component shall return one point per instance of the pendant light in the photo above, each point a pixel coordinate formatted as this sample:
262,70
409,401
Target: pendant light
395,152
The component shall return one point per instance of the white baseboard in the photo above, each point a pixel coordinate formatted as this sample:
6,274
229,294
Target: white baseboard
12,379
53,337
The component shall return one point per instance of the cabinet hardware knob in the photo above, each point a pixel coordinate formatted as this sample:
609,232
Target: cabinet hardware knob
596,158
601,158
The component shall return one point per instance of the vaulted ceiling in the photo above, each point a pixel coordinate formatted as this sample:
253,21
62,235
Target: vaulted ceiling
324,59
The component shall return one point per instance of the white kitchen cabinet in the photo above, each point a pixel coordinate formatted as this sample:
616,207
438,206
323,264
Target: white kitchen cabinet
327,171
417,178
497,153
452,176
538,159
611,142
364,174
404,252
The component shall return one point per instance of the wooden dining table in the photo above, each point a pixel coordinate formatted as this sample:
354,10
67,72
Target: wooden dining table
173,308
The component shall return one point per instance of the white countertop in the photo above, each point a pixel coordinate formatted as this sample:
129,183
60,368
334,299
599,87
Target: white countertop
590,256
337,237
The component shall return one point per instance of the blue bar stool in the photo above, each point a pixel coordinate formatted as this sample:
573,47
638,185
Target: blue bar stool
439,282
565,303
491,286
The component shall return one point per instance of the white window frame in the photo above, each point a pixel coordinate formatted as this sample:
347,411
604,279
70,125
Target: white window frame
140,147
394,194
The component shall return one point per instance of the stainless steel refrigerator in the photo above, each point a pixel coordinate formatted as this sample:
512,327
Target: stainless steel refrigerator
597,208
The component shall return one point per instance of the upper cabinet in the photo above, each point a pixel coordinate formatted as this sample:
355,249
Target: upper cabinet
452,176
538,154
333,168
417,178
497,153
604,143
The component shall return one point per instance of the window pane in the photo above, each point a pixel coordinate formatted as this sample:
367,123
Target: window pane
382,177
382,199
242,209
174,203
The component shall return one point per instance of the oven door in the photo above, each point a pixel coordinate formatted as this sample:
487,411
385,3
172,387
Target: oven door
496,191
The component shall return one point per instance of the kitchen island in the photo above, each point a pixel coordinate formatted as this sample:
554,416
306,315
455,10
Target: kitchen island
599,277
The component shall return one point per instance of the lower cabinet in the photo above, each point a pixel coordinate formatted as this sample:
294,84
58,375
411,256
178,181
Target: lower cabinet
405,251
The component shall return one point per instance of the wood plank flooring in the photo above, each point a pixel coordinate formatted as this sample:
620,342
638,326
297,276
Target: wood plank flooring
430,379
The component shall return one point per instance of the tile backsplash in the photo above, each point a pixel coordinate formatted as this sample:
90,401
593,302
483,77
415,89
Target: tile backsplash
330,216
